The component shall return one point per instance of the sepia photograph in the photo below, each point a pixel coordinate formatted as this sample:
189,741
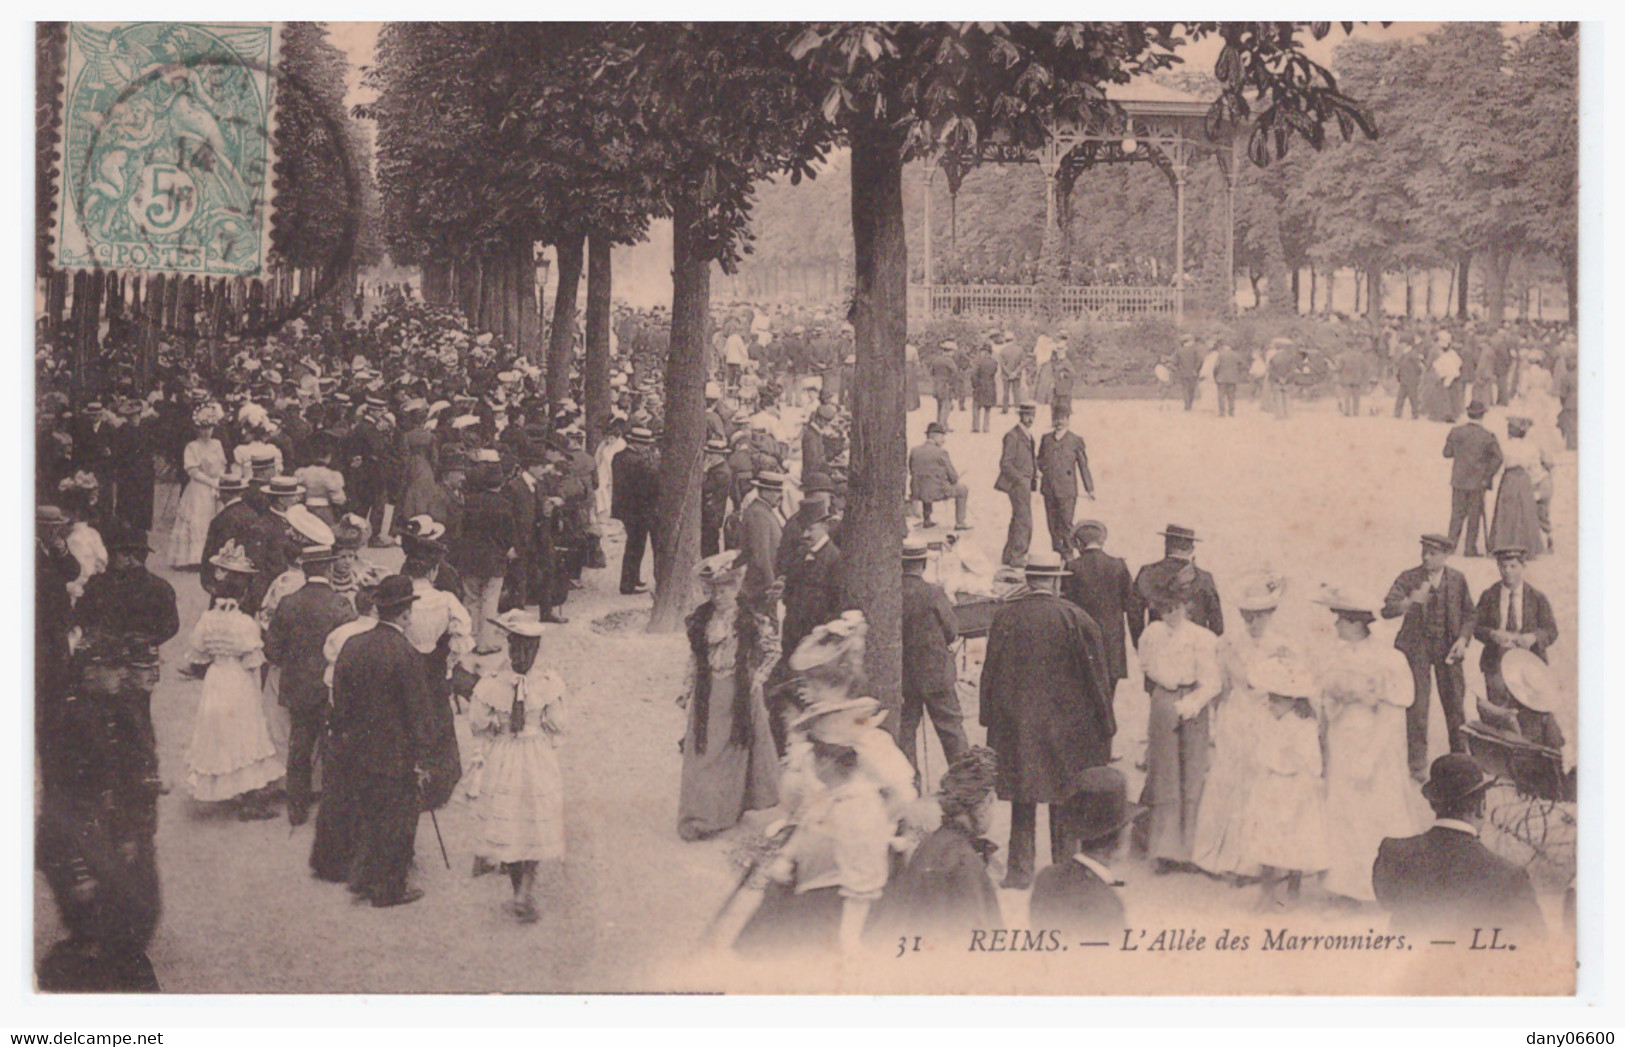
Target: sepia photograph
842,508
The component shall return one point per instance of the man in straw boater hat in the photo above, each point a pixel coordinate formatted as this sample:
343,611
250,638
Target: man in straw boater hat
714,491
1476,455
1446,881
381,718
1438,610
1079,896
1047,707
1018,478
635,501
1179,552
294,643
930,680
1100,583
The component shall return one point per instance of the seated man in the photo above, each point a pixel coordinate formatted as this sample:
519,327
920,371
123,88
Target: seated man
933,478
1446,881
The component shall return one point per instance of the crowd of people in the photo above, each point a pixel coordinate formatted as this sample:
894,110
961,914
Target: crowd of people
328,684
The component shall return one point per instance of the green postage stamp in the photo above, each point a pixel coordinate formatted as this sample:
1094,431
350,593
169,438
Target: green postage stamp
168,147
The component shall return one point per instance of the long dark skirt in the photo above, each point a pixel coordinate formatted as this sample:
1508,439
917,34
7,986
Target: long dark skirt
445,762
787,922
1517,517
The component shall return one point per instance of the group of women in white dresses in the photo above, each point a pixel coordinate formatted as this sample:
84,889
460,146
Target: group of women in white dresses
1278,770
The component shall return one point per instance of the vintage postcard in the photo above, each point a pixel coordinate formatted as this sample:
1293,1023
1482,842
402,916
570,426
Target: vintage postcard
1068,508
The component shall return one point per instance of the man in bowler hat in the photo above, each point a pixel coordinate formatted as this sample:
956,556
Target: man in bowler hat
1078,896
1446,880
1476,458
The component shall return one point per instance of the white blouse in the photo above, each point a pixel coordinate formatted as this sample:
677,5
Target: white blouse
1182,656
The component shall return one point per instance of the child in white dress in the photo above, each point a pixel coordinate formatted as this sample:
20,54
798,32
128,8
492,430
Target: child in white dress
521,710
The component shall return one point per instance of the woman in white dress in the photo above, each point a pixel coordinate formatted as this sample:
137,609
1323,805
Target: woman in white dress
1365,687
521,710
1232,765
231,756
204,462
1180,660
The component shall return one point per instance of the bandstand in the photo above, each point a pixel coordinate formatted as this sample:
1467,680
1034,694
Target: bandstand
1151,124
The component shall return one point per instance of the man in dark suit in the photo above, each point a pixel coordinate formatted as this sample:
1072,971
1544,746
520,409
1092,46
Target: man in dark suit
523,492
1408,374
1179,549
1047,707
1018,478
930,628
1438,610
1477,458
1188,369
1099,583
483,549
814,584
238,520
634,500
1062,462
714,491
932,477
761,531
1510,616
381,717
1446,881
1229,371
1079,897
293,641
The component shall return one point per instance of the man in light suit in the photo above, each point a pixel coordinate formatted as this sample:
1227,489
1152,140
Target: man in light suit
1477,458
1062,462
1511,616
1446,880
1018,478
1438,610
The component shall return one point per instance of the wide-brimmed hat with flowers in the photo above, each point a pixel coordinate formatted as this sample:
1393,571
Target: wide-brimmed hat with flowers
234,558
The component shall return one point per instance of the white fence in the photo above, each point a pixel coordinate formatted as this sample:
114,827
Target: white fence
1099,303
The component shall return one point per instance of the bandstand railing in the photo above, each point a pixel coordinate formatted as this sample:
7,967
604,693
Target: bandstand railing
1100,302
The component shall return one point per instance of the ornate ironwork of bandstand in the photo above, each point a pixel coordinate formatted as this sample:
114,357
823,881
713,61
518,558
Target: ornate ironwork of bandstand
1152,124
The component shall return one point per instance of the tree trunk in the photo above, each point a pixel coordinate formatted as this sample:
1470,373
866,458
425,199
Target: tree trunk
682,446
1297,290
530,321
1427,291
595,371
561,340
876,498
1463,270
1495,284
1373,292
1314,289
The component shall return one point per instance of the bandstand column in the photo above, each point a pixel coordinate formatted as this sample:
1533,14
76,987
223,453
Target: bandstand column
1179,239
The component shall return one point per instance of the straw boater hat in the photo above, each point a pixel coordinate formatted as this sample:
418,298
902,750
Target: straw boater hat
1045,564
232,482
1181,533
769,481
318,554
423,533
1260,591
1529,680
283,487
915,550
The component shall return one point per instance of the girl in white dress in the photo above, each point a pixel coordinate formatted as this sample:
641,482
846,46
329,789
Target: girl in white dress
1365,688
1283,828
205,462
521,710
231,756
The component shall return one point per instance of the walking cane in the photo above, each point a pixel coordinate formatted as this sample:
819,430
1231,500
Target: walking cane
441,840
